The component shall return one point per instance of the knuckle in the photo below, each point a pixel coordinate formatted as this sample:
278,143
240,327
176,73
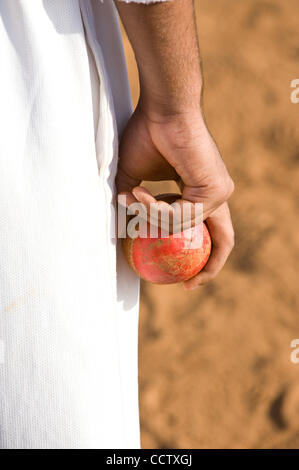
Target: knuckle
230,187
231,243
230,239
224,190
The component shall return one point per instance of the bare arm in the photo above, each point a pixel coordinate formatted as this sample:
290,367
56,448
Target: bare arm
164,40
167,138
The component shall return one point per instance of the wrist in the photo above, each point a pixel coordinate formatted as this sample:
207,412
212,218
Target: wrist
178,130
167,109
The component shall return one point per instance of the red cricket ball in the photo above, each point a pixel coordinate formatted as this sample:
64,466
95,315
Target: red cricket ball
172,259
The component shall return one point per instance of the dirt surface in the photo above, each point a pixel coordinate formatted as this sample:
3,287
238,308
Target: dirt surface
215,369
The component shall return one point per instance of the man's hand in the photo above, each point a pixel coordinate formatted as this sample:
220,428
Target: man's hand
179,148
166,137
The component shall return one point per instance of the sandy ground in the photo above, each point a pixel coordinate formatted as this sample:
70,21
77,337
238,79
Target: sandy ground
215,369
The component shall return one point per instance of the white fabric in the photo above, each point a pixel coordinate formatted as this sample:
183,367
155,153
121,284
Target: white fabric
68,323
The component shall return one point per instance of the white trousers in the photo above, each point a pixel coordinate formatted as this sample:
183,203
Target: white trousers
68,315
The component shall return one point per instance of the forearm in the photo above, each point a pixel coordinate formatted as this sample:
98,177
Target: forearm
164,39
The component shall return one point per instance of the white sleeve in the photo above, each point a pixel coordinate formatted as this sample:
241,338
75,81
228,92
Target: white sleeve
144,1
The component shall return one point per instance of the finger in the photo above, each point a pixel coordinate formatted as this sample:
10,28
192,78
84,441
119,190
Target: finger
141,202
209,197
169,209
221,231
143,195
126,198
180,214
157,209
